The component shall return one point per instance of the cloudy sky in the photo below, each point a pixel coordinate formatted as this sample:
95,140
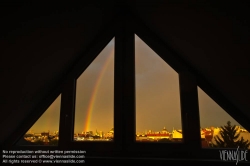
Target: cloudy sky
157,96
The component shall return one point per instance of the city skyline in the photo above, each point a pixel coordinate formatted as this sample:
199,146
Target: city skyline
157,96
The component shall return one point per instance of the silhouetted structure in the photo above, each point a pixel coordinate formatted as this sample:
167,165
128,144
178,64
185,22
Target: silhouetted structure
44,48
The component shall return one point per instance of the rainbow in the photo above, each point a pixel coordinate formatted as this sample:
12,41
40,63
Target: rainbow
95,90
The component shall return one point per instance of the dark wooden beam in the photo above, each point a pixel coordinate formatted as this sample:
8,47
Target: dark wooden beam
190,111
124,80
67,114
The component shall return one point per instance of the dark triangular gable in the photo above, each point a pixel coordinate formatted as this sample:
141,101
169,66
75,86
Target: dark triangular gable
161,48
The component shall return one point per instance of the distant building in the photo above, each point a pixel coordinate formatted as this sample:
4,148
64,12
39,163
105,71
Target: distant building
176,135
45,134
153,136
159,135
110,134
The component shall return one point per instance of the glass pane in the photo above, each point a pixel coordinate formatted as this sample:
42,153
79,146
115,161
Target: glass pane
213,119
94,111
45,129
158,116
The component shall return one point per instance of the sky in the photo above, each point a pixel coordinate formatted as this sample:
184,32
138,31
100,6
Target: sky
157,96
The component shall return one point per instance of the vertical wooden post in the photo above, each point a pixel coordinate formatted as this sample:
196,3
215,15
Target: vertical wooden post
66,127
190,110
124,80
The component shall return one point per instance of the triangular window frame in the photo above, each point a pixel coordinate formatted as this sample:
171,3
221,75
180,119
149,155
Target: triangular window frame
124,104
31,120
98,81
168,55
59,97
166,68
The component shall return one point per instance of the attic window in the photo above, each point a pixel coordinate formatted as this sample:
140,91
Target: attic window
45,129
128,105
94,104
158,111
212,119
